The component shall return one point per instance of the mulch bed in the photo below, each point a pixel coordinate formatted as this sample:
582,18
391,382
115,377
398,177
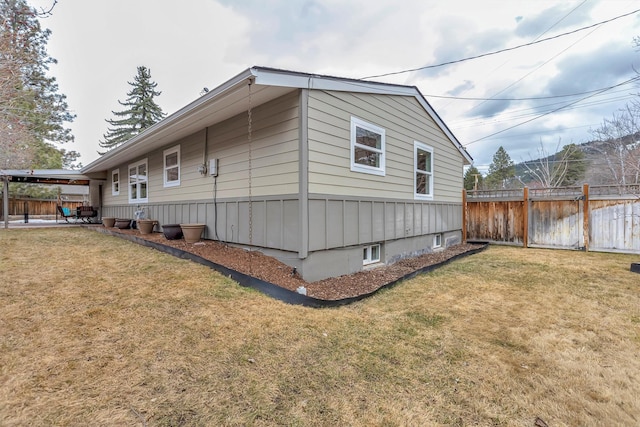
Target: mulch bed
269,269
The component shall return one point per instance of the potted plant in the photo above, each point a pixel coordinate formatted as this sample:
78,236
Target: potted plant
108,221
122,223
145,226
192,232
172,231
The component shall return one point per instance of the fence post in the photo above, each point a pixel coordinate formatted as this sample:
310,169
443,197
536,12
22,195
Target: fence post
586,213
464,215
525,217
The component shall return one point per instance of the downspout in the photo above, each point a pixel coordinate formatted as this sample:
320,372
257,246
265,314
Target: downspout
204,151
303,170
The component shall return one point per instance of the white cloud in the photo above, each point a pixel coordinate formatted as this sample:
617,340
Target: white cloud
196,43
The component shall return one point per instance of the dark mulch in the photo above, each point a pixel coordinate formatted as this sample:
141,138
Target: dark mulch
271,270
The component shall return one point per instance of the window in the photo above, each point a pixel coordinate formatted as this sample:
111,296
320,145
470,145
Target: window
367,147
437,241
115,182
172,167
423,171
370,254
138,182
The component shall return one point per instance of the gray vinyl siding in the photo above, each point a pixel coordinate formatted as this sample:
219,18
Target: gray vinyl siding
107,196
274,158
274,150
404,121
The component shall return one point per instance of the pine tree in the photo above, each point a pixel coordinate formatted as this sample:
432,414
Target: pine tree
501,170
32,111
576,164
472,179
140,113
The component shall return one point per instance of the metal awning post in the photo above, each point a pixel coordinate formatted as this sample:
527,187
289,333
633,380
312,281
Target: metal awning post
5,199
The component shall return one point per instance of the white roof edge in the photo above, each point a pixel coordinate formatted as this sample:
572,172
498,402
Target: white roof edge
266,76
425,104
272,76
39,172
284,78
178,115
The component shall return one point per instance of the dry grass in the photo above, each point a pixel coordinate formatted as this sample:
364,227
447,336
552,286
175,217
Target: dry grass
98,331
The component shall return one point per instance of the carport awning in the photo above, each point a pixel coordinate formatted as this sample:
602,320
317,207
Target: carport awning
45,176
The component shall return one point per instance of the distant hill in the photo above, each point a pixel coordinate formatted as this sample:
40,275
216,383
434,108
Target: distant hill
593,151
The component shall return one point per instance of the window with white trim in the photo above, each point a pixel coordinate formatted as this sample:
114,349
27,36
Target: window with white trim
422,171
115,182
437,241
370,254
367,147
138,182
172,166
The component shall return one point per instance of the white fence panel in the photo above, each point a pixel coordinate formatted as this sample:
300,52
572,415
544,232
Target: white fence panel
615,226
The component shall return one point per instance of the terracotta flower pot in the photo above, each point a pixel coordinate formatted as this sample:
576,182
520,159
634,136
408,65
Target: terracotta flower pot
145,226
192,232
172,231
123,223
108,221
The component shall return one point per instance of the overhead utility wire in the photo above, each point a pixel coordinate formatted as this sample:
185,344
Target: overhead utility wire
602,98
533,98
560,20
542,115
545,62
501,50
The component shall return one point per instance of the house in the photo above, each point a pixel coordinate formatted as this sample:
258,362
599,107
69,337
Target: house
329,175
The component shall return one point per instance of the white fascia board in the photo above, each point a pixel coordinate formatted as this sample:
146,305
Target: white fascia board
275,77
43,173
425,104
272,77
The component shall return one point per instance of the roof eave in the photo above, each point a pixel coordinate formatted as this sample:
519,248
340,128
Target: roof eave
168,122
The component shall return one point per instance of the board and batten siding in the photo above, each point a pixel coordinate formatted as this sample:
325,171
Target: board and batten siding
336,222
404,121
274,158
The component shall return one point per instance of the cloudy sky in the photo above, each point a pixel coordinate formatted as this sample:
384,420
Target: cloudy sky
486,102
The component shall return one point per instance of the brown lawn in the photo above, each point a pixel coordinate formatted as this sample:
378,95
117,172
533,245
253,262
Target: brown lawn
95,330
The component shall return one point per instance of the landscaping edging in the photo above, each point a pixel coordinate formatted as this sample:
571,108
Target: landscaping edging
270,289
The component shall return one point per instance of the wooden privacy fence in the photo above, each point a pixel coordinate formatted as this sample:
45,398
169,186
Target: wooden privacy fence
596,218
37,206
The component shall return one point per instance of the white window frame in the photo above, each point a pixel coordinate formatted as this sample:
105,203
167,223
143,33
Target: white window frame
138,181
357,167
166,168
367,257
115,183
437,240
423,147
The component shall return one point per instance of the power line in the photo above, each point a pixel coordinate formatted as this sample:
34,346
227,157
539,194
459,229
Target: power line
548,60
502,50
546,113
530,112
533,98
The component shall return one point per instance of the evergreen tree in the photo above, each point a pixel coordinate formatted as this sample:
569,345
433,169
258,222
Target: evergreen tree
32,111
471,177
501,170
576,164
140,113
